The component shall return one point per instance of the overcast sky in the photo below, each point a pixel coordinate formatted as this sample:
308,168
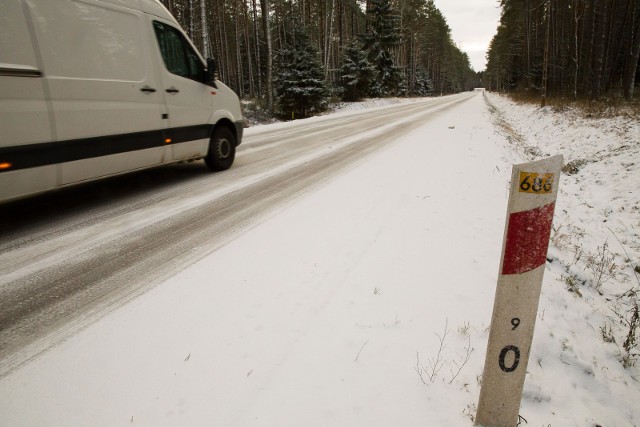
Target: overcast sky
473,24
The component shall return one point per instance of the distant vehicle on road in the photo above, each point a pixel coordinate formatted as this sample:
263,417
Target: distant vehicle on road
95,88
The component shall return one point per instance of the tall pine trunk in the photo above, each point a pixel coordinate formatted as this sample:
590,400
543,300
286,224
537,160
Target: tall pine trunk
329,37
545,64
256,37
205,31
576,56
264,6
247,44
586,48
631,60
600,19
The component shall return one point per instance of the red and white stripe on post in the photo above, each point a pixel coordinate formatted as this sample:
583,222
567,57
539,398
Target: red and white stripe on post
534,188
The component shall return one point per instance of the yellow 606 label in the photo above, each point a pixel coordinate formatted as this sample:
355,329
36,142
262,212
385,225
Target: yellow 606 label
535,183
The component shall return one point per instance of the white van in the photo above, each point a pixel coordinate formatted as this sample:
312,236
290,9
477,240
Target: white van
95,88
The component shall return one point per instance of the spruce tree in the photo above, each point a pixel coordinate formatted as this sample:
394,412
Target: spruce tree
299,82
423,85
356,73
384,35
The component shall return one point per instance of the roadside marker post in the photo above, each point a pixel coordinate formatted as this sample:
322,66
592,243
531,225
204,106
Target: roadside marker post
534,189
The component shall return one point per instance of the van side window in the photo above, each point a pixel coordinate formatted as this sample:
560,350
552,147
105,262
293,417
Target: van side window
178,56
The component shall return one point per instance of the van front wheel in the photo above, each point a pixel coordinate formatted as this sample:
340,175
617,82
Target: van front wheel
222,149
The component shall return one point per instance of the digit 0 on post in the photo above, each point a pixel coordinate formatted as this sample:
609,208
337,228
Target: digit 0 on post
534,188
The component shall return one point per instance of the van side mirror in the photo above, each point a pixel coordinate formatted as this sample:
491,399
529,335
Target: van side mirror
212,71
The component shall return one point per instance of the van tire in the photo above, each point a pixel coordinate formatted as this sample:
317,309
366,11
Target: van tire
222,149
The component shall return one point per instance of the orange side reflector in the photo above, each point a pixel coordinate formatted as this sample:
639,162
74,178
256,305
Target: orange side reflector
167,140
5,165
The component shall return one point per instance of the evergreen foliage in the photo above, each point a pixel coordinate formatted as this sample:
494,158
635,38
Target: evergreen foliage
402,39
569,48
356,73
423,85
448,67
299,83
384,35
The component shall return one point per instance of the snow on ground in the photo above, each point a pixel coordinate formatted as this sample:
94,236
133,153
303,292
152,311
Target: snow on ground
370,103
332,311
595,254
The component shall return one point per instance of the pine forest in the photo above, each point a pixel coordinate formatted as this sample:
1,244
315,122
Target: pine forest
294,55
566,48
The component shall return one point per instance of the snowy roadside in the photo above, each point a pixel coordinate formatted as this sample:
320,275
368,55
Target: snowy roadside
593,277
256,116
593,273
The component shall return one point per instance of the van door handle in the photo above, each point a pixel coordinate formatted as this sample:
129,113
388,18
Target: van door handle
147,89
172,90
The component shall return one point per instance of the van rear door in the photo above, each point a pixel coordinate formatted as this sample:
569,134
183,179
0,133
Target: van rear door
106,98
25,120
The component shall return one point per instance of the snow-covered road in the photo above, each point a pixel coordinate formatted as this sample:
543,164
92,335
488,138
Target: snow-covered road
56,278
349,282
